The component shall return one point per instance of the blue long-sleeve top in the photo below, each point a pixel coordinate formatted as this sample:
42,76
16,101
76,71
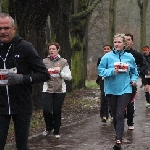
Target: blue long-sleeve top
117,84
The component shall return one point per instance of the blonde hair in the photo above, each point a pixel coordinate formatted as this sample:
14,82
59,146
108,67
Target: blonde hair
122,35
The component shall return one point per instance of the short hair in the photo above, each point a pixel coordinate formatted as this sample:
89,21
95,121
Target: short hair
108,45
53,43
128,34
122,35
4,15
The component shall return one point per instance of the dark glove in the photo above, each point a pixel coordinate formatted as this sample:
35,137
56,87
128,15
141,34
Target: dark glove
98,80
14,78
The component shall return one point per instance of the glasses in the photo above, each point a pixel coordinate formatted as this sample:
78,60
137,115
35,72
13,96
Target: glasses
5,28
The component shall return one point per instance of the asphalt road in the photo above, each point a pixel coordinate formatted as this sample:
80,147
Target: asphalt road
92,134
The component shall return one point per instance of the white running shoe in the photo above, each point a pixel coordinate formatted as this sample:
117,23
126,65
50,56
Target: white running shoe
57,136
147,105
46,133
131,127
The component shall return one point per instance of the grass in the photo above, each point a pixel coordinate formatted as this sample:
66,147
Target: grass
91,84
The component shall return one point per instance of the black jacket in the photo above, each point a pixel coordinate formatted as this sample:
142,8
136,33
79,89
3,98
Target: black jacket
139,60
137,55
148,63
18,98
99,79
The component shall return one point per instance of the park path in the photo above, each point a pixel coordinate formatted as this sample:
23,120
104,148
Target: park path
92,134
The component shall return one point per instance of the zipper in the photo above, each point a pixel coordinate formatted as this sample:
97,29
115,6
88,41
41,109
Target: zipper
4,60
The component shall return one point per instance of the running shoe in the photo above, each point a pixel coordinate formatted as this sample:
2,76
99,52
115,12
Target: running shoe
46,133
117,146
57,136
131,127
104,119
147,105
111,120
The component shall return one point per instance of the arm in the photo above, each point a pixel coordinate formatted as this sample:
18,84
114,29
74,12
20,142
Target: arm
30,67
133,72
39,72
103,69
66,73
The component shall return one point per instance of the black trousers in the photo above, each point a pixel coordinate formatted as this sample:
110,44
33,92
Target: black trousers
52,105
117,104
129,113
21,127
104,107
130,110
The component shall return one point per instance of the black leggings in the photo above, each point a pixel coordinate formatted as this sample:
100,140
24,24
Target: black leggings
117,104
52,105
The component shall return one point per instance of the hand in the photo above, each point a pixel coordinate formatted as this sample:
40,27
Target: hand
116,70
14,78
133,83
57,69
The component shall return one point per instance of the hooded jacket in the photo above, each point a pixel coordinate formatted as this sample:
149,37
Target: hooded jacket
118,84
19,53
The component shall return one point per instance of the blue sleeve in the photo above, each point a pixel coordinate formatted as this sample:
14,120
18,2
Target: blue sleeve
102,68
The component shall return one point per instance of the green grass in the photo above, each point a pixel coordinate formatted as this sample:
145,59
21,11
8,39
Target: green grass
91,84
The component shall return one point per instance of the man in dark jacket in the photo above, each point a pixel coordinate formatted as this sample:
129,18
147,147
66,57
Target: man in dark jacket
104,108
140,62
146,75
20,67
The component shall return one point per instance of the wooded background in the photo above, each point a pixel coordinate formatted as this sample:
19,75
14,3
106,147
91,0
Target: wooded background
81,27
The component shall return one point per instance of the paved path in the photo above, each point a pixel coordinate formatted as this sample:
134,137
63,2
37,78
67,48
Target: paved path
92,134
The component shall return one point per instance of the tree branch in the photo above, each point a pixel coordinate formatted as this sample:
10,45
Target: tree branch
83,14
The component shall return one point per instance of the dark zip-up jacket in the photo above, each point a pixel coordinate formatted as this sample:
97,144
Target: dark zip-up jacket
139,60
147,58
19,53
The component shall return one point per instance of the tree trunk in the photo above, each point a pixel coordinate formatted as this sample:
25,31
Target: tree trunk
31,24
60,30
143,8
112,20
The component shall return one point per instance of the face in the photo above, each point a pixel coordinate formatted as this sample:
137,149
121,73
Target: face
146,52
118,43
106,49
129,42
7,31
53,51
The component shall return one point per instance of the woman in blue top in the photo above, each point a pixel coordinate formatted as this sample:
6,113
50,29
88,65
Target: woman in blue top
120,73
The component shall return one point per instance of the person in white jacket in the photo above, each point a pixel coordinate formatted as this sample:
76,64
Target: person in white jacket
54,90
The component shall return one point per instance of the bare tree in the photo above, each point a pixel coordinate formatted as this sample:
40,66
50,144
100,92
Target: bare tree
112,20
143,4
31,19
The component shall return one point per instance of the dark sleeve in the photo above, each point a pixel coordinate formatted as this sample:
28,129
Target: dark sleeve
143,67
98,61
38,71
139,59
98,77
